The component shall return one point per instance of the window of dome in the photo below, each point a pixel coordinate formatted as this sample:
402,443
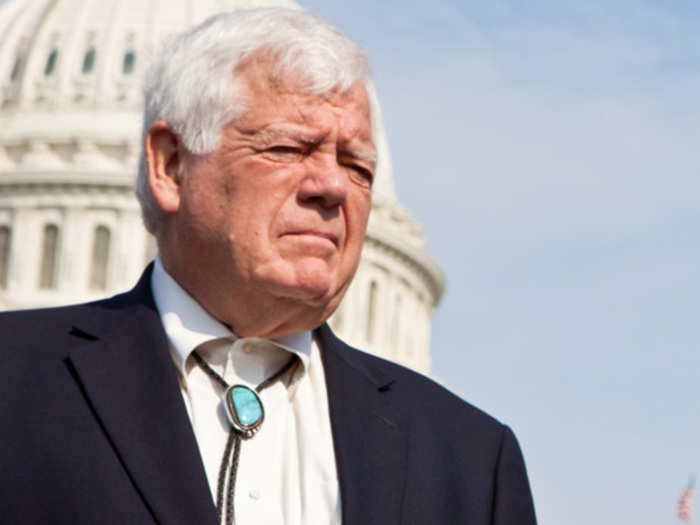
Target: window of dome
89,61
16,69
129,62
5,237
51,62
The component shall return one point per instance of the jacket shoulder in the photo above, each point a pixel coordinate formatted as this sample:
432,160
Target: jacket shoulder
40,330
419,397
425,392
47,328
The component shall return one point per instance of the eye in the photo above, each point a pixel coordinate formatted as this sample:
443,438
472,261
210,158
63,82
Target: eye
285,153
361,175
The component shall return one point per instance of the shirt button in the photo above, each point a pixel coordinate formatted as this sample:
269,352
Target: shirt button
248,347
254,494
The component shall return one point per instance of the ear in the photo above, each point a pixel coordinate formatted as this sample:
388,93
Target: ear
165,156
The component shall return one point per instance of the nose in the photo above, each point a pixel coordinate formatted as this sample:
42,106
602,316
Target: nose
325,183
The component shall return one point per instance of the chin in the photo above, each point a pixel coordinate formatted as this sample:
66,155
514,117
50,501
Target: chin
316,296
315,279
312,282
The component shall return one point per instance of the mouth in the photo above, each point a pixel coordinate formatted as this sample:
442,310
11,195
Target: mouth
317,234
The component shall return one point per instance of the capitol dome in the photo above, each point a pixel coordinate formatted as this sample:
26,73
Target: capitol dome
70,118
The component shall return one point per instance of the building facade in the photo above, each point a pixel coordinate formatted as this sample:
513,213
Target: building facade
70,118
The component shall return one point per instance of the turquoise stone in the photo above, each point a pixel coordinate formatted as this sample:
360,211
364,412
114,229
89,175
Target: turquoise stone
246,405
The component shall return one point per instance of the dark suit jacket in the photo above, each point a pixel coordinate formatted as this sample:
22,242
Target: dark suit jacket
94,431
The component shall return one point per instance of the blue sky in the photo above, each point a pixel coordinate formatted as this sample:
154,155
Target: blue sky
550,152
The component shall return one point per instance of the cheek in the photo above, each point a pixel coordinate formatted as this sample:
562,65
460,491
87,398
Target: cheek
248,209
358,217
253,227
264,201
285,213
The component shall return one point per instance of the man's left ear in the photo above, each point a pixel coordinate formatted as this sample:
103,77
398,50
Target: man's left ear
165,156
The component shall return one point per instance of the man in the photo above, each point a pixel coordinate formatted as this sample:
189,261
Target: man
256,180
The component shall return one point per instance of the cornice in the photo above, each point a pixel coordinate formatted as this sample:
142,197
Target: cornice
95,180
410,255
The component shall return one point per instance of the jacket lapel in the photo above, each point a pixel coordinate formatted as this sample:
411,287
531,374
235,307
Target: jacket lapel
369,435
125,369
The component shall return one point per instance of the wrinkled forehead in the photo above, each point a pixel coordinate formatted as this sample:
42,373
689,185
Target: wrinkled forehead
261,79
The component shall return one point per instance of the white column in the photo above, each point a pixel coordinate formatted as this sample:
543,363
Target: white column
73,244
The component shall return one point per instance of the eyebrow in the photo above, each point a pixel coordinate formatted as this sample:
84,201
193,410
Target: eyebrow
289,132
367,155
294,133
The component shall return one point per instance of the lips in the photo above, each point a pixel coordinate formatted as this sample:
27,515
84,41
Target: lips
315,233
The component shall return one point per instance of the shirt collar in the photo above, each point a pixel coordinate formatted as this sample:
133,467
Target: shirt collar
188,325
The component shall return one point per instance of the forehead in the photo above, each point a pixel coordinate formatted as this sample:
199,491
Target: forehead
272,97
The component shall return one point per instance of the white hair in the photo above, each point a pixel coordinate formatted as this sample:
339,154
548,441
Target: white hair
191,81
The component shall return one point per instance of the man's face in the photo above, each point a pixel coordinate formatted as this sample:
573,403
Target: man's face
270,226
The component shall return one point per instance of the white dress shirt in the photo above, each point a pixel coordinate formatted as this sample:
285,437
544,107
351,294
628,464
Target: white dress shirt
286,472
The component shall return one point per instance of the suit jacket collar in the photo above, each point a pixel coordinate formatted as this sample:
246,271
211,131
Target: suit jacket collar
126,372
370,434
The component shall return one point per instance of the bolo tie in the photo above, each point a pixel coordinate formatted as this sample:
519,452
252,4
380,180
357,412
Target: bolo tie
245,412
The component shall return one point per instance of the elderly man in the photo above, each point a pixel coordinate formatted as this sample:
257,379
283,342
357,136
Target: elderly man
213,391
